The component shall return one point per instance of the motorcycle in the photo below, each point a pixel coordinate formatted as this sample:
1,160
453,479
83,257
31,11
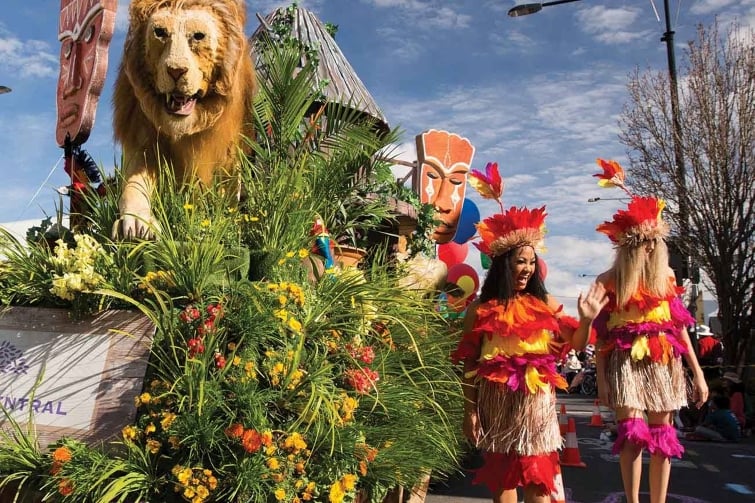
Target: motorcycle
586,381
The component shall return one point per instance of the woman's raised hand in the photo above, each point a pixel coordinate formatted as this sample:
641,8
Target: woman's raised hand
589,305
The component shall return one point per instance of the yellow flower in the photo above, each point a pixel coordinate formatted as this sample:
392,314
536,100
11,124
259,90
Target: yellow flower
294,325
280,494
349,481
188,206
290,254
205,222
174,441
153,446
336,493
303,253
273,463
231,346
145,398
202,492
167,420
150,428
130,433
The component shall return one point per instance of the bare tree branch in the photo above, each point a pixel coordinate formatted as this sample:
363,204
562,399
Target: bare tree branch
717,114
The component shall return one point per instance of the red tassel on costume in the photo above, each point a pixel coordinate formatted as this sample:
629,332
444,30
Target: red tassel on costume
509,471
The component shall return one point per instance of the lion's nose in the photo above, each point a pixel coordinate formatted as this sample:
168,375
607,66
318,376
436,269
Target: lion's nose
176,73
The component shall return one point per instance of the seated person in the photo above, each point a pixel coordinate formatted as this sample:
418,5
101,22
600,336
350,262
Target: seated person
719,424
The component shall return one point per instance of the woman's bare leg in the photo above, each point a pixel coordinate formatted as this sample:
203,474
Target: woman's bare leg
630,460
534,494
506,496
660,465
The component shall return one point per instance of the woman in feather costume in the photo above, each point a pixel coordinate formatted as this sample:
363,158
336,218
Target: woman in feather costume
514,334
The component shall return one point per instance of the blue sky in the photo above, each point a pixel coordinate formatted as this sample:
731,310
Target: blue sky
540,94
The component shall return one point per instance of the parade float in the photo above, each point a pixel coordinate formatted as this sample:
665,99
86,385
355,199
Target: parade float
230,357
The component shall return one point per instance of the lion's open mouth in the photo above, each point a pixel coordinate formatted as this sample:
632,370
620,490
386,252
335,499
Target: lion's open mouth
180,104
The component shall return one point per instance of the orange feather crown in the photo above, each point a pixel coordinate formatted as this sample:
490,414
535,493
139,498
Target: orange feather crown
511,228
641,221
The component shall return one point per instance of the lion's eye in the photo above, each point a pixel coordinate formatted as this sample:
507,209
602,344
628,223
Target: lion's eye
198,36
160,32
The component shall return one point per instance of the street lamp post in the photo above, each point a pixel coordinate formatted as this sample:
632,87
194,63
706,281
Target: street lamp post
681,174
668,37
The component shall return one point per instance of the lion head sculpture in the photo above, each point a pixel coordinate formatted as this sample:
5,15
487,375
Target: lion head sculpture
182,97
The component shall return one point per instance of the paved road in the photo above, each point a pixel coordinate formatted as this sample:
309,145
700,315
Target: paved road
708,473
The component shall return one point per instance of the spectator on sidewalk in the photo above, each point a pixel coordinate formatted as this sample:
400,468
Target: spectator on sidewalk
719,424
710,352
735,390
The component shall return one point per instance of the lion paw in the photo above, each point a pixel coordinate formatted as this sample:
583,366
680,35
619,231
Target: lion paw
132,226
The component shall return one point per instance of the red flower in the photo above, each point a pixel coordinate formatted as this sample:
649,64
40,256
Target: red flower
220,361
65,487
215,311
236,430
251,441
189,314
206,327
196,346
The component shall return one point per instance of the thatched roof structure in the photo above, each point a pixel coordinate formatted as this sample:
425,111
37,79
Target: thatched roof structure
343,84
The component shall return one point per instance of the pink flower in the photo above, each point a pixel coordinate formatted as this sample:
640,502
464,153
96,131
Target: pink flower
362,380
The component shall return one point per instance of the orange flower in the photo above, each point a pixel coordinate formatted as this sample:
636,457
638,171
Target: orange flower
251,441
65,487
61,454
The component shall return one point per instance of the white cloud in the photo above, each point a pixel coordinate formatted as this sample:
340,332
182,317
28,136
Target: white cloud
27,58
611,25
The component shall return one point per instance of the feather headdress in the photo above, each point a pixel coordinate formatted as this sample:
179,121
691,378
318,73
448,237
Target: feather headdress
511,228
640,221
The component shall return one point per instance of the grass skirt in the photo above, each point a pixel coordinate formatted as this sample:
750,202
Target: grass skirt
517,422
645,385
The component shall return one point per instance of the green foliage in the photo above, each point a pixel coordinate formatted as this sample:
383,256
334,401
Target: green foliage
290,388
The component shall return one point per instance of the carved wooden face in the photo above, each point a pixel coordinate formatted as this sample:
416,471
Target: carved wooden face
444,159
85,30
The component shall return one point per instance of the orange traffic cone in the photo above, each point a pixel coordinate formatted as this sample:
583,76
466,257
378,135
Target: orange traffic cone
563,420
597,418
570,454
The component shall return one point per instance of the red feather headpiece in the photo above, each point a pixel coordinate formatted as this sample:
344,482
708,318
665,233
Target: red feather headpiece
511,229
641,221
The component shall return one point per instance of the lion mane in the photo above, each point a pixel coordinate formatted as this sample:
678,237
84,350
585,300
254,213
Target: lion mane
182,98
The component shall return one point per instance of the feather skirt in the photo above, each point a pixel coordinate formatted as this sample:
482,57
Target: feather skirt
517,422
645,385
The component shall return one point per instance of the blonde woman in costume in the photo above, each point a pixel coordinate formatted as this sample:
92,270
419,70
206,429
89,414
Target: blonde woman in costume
642,338
513,337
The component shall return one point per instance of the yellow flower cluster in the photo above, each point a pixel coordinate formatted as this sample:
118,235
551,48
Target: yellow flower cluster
346,407
76,267
291,290
341,488
279,369
156,280
301,254
194,484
